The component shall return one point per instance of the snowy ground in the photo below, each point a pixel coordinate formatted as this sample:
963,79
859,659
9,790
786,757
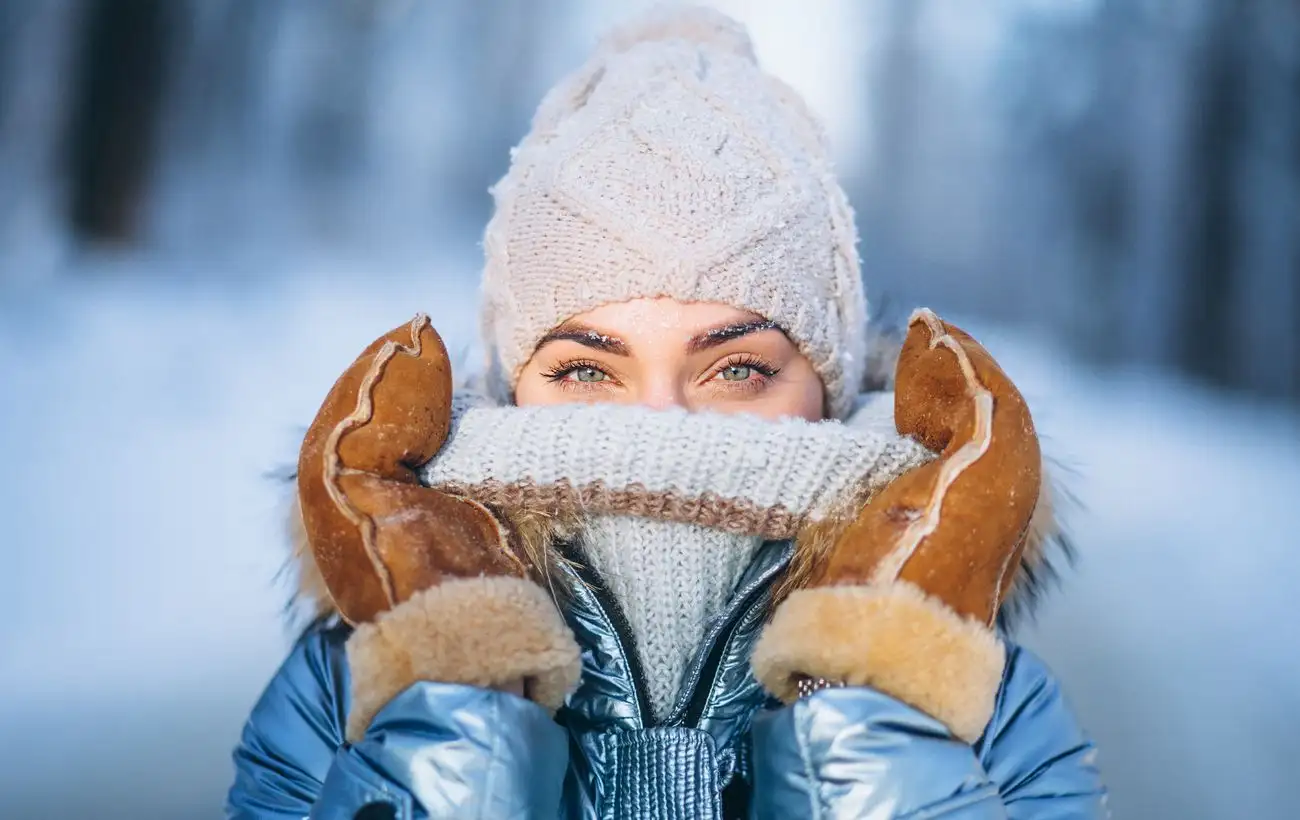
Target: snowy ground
141,421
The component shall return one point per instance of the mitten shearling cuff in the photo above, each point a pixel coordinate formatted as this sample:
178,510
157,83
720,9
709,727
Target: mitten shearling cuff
485,631
893,638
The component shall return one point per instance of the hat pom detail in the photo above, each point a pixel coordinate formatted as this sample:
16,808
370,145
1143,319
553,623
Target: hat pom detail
695,24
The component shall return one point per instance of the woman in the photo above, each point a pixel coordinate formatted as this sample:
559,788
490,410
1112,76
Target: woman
672,564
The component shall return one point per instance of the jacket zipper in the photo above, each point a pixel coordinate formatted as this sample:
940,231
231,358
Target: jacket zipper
689,714
621,630
700,694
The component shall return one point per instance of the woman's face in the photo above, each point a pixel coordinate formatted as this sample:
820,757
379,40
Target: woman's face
663,353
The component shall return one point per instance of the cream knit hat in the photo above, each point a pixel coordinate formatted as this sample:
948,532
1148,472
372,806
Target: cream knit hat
671,165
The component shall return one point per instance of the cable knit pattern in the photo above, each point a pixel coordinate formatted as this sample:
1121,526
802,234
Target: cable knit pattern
736,473
671,165
668,580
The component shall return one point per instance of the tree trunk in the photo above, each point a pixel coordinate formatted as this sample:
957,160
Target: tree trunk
117,96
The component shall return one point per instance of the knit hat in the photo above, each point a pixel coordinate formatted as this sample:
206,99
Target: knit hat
671,166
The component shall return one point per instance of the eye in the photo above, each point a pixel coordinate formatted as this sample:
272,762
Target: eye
736,372
742,370
579,375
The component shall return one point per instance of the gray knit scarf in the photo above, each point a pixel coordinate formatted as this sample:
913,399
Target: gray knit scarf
670,505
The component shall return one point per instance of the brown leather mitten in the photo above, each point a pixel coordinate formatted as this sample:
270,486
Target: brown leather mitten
429,579
907,598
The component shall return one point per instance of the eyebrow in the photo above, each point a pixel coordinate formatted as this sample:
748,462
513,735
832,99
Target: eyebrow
586,336
725,333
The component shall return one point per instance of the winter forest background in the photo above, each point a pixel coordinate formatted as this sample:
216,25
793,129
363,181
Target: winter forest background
208,207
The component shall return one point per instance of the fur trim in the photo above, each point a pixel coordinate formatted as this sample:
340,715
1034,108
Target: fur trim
312,598
1048,551
486,632
884,344
535,535
895,639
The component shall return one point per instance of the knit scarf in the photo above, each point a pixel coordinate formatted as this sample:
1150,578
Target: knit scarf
668,507
668,579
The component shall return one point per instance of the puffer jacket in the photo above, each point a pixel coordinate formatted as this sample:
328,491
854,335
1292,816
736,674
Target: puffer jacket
727,750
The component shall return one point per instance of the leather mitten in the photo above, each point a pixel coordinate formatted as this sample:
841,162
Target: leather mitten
429,579
907,597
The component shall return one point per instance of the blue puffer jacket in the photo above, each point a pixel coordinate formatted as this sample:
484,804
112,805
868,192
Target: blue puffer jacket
727,750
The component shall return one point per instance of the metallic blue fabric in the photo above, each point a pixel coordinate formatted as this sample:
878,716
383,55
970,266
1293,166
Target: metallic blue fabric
657,772
857,753
726,750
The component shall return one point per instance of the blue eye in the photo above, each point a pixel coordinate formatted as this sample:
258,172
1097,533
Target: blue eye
568,374
745,371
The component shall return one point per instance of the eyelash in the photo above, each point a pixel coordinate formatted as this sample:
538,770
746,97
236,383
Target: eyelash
559,373
764,368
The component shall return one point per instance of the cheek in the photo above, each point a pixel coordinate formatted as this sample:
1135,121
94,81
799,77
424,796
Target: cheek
791,396
812,402
803,395
797,393
812,393
532,390
801,399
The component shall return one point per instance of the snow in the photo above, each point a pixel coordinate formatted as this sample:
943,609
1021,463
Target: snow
143,422
1176,637
142,425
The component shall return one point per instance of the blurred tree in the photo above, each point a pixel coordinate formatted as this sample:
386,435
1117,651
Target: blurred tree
1151,195
1122,173
1211,235
1266,188
1240,301
36,52
500,49
896,80
117,97
347,121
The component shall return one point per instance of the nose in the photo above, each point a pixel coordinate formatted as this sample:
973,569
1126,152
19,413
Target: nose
663,394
